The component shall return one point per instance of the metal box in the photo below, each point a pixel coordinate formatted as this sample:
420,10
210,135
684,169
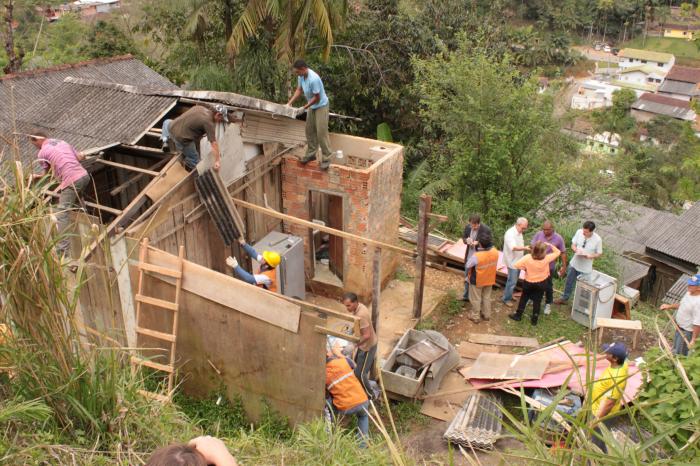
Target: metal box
290,273
396,382
594,297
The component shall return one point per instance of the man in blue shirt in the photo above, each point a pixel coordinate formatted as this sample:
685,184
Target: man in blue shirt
310,84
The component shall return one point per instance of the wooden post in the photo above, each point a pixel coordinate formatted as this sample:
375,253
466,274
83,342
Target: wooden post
376,287
424,207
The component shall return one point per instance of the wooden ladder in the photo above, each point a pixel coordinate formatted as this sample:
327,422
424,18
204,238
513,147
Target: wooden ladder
172,306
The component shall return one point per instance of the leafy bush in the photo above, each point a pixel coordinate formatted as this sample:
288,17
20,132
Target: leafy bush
669,397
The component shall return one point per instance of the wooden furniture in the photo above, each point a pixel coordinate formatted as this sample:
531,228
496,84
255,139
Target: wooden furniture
621,324
169,306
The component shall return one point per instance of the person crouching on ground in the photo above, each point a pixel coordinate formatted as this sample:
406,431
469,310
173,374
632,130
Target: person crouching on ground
201,451
267,276
346,395
481,276
536,267
608,390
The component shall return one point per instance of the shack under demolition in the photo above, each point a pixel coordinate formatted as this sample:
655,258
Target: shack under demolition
226,333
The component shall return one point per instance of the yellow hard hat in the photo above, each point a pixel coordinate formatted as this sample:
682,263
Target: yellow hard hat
272,258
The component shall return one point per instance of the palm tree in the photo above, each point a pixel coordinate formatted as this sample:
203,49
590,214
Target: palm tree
292,22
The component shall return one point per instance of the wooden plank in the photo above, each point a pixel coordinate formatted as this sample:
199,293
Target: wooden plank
155,396
334,333
156,302
507,366
314,226
424,207
137,178
503,340
123,166
160,270
101,207
231,292
473,350
156,334
120,258
151,364
376,287
619,323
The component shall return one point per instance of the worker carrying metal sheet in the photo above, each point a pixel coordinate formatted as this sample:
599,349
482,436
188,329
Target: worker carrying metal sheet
267,276
186,130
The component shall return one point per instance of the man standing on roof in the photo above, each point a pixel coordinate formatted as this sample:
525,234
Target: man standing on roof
472,232
267,276
309,83
608,389
587,245
367,346
513,249
64,162
687,317
186,131
481,276
552,239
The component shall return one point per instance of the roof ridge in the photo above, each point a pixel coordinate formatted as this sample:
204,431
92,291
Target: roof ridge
65,66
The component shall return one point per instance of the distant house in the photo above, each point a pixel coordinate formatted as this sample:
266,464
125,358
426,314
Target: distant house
681,31
681,83
636,57
89,8
605,143
647,75
593,94
649,106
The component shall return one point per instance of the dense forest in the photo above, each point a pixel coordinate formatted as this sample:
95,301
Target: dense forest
455,81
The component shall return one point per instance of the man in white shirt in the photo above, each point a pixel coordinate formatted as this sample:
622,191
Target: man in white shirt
587,246
513,250
687,317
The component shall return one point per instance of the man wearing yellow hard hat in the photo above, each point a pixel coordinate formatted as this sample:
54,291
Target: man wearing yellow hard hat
266,277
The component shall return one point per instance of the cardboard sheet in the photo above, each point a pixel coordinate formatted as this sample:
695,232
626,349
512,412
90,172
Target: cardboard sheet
473,350
503,340
456,251
507,366
444,404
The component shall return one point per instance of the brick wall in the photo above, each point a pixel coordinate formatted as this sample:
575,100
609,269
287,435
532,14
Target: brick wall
371,204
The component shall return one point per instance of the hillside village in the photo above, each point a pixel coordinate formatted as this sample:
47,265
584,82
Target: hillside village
339,251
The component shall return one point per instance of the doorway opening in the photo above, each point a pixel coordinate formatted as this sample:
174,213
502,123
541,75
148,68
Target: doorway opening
327,250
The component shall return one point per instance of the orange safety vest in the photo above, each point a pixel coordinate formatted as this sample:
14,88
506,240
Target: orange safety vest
341,383
486,265
272,275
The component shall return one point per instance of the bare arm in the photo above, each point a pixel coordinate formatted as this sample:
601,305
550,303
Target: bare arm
665,307
605,407
217,155
297,94
696,332
365,335
313,100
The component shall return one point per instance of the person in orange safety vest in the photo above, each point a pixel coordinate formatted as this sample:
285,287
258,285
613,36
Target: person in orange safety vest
481,277
267,276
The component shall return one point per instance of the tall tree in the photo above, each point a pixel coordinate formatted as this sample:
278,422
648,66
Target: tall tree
14,57
292,21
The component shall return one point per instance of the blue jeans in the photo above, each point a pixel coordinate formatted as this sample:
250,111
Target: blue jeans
465,296
571,276
188,150
680,347
513,275
362,413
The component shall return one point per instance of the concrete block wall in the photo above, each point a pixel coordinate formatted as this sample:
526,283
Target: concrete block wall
371,205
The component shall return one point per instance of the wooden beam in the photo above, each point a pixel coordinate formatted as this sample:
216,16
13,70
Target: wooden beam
315,226
146,149
130,210
127,167
334,333
101,207
120,263
376,287
424,207
137,178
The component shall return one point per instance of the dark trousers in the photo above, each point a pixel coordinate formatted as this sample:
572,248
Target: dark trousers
549,291
597,435
364,361
534,292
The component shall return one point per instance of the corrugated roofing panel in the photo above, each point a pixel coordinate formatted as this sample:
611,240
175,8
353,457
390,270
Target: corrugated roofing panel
677,291
678,87
678,239
684,74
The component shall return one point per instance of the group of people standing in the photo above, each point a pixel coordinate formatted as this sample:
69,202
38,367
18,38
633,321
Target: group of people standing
537,260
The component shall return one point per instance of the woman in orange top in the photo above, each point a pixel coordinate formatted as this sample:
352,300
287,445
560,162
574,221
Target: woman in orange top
536,267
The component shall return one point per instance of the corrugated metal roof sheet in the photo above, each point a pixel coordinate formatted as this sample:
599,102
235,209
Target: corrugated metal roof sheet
684,74
662,105
658,57
692,215
678,238
678,87
677,291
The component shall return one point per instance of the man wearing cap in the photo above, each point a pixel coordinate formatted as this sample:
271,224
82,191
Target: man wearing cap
267,276
186,131
687,317
64,162
608,389
309,83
